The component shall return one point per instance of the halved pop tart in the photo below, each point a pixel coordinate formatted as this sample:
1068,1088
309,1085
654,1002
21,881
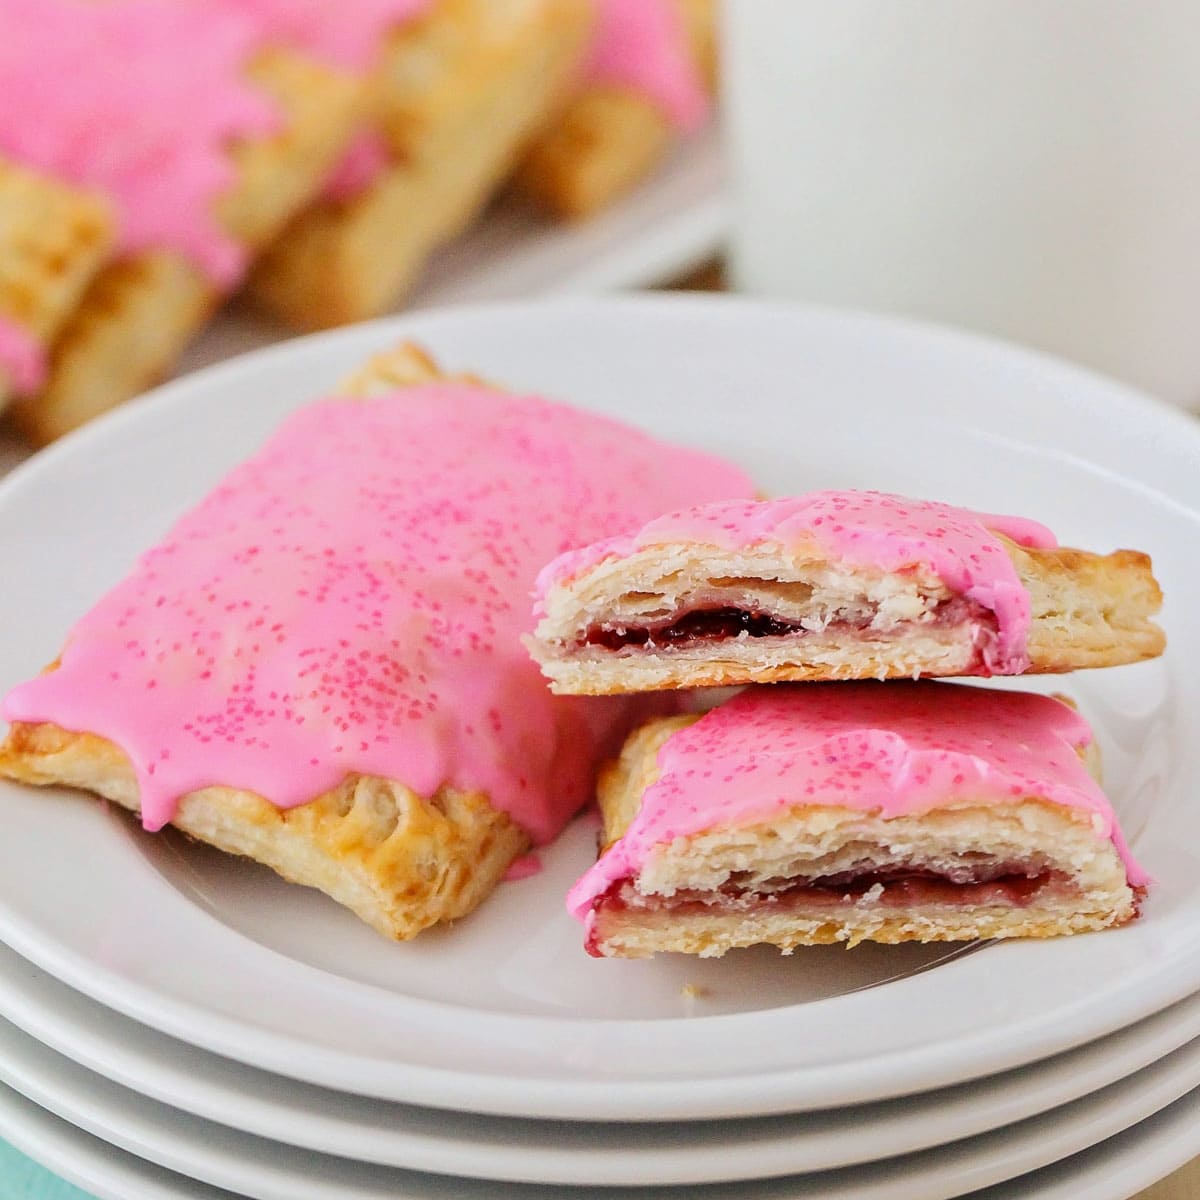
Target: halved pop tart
320,665
820,813
836,585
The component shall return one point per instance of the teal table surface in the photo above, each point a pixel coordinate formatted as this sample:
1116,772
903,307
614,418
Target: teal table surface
23,1179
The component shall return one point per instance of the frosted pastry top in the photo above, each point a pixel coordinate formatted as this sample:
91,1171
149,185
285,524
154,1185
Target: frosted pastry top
643,45
22,359
863,530
351,601
895,748
142,99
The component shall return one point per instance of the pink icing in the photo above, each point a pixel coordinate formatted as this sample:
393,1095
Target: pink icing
363,163
893,747
642,45
874,530
141,100
351,601
22,359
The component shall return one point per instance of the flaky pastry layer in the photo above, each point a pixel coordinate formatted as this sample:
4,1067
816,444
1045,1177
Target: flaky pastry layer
819,874
690,615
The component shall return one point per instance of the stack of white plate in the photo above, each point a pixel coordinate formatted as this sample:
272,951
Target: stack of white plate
178,1022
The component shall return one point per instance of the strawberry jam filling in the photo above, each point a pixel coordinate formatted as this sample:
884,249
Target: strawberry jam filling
725,622
1009,886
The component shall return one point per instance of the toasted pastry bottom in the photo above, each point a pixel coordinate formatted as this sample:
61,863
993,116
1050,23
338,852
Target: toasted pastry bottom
608,138
401,862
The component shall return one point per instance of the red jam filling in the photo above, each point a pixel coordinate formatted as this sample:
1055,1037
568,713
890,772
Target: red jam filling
1009,886
728,621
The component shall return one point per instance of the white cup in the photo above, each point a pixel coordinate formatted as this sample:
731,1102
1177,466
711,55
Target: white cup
1028,168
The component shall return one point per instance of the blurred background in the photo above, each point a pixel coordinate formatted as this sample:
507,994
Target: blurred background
258,168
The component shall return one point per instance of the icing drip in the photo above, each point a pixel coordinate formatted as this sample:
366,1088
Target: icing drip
351,601
893,747
363,163
22,358
866,530
643,45
142,99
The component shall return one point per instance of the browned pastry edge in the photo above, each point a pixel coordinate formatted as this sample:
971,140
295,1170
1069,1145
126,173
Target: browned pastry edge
53,239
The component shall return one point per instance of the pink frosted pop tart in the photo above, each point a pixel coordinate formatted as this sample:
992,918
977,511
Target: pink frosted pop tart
836,585
204,125
320,666
807,814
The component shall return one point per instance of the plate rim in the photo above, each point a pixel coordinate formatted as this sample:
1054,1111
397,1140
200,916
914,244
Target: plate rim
429,1082
43,1023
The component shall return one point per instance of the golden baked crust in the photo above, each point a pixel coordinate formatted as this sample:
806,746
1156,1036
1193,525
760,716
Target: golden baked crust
1088,610
53,239
490,73
401,861
138,314
608,138
704,894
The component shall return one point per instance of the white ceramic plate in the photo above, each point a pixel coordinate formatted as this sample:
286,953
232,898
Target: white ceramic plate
1110,1170
266,1170
174,1073
504,1013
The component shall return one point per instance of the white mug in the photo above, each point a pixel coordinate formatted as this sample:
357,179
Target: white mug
1028,168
